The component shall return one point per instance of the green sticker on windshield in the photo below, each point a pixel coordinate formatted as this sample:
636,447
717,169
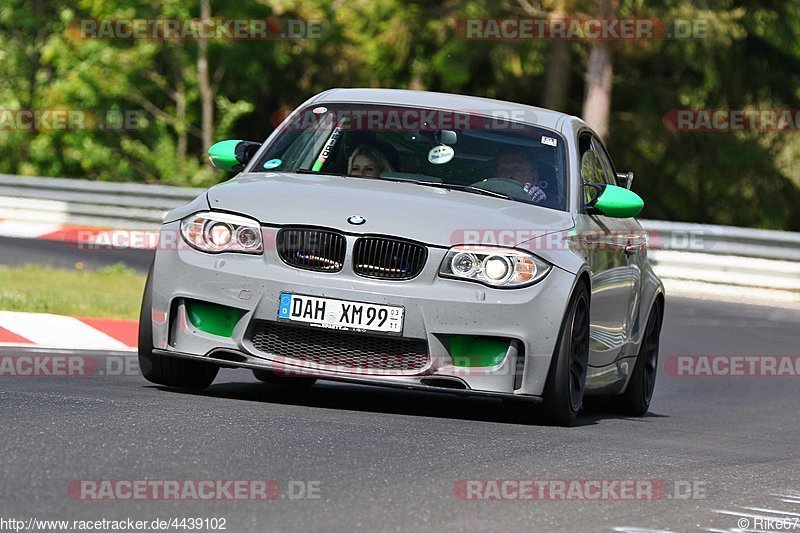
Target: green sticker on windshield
327,150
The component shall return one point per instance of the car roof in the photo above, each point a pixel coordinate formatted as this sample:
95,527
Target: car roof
450,102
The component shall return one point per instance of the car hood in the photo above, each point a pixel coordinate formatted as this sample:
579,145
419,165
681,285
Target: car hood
431,215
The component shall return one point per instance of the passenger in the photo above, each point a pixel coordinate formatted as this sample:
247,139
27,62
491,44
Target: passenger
521,166
367,161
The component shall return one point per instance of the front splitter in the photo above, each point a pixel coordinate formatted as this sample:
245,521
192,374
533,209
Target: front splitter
236,359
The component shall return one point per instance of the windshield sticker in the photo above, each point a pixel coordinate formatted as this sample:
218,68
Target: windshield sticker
549,141
439,155
329,145
319,110
273,163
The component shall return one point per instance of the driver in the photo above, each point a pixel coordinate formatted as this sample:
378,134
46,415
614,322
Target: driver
367,161
521,166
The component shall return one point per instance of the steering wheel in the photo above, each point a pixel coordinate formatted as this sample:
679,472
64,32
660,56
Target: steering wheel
506,186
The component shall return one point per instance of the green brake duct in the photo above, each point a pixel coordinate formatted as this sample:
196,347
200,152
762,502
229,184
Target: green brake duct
213,318
472,351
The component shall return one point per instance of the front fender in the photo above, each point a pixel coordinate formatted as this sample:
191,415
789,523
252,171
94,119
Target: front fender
198,204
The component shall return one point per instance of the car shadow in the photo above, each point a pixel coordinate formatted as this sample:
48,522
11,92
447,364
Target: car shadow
364,398
595,411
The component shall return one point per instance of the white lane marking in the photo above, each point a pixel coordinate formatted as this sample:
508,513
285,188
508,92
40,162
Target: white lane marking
791,496
762,510
625,529
33,209
54,331
26,230
764,514
782,520
747,515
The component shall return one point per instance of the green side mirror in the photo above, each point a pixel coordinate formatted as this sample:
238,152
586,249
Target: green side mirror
232,155
613,201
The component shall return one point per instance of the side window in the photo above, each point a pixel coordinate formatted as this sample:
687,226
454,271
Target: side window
591,167
605,160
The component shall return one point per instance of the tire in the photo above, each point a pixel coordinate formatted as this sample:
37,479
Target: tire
162,370
635,401
566,378
267,376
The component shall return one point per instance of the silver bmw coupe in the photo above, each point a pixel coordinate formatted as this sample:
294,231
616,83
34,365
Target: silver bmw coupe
417,240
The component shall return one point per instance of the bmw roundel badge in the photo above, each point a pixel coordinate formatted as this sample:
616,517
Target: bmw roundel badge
356,220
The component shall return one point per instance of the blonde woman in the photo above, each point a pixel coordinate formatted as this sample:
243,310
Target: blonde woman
368,162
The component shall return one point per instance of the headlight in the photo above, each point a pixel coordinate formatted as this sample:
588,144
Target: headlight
220,232
493,266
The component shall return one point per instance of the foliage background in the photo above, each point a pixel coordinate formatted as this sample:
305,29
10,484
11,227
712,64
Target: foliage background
749,59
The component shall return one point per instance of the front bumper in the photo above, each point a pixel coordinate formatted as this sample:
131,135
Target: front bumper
435,309
228,359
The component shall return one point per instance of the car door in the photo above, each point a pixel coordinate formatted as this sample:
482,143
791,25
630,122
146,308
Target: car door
602,240
632,239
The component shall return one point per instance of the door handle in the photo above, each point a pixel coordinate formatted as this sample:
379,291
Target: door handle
633,246
630,247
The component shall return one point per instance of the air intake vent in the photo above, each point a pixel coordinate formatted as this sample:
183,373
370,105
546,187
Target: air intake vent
385,258
338,351
312,249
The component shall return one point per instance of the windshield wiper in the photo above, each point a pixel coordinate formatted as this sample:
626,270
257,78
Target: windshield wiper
463,188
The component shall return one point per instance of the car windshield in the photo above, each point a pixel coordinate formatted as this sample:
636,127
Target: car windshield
457,150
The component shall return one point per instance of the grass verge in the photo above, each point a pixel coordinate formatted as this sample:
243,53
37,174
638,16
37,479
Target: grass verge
110,292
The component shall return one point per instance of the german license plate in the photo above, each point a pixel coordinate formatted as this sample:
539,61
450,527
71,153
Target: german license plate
341,314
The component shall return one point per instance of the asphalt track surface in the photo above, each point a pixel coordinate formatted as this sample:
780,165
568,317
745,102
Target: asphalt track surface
62,254
724,448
